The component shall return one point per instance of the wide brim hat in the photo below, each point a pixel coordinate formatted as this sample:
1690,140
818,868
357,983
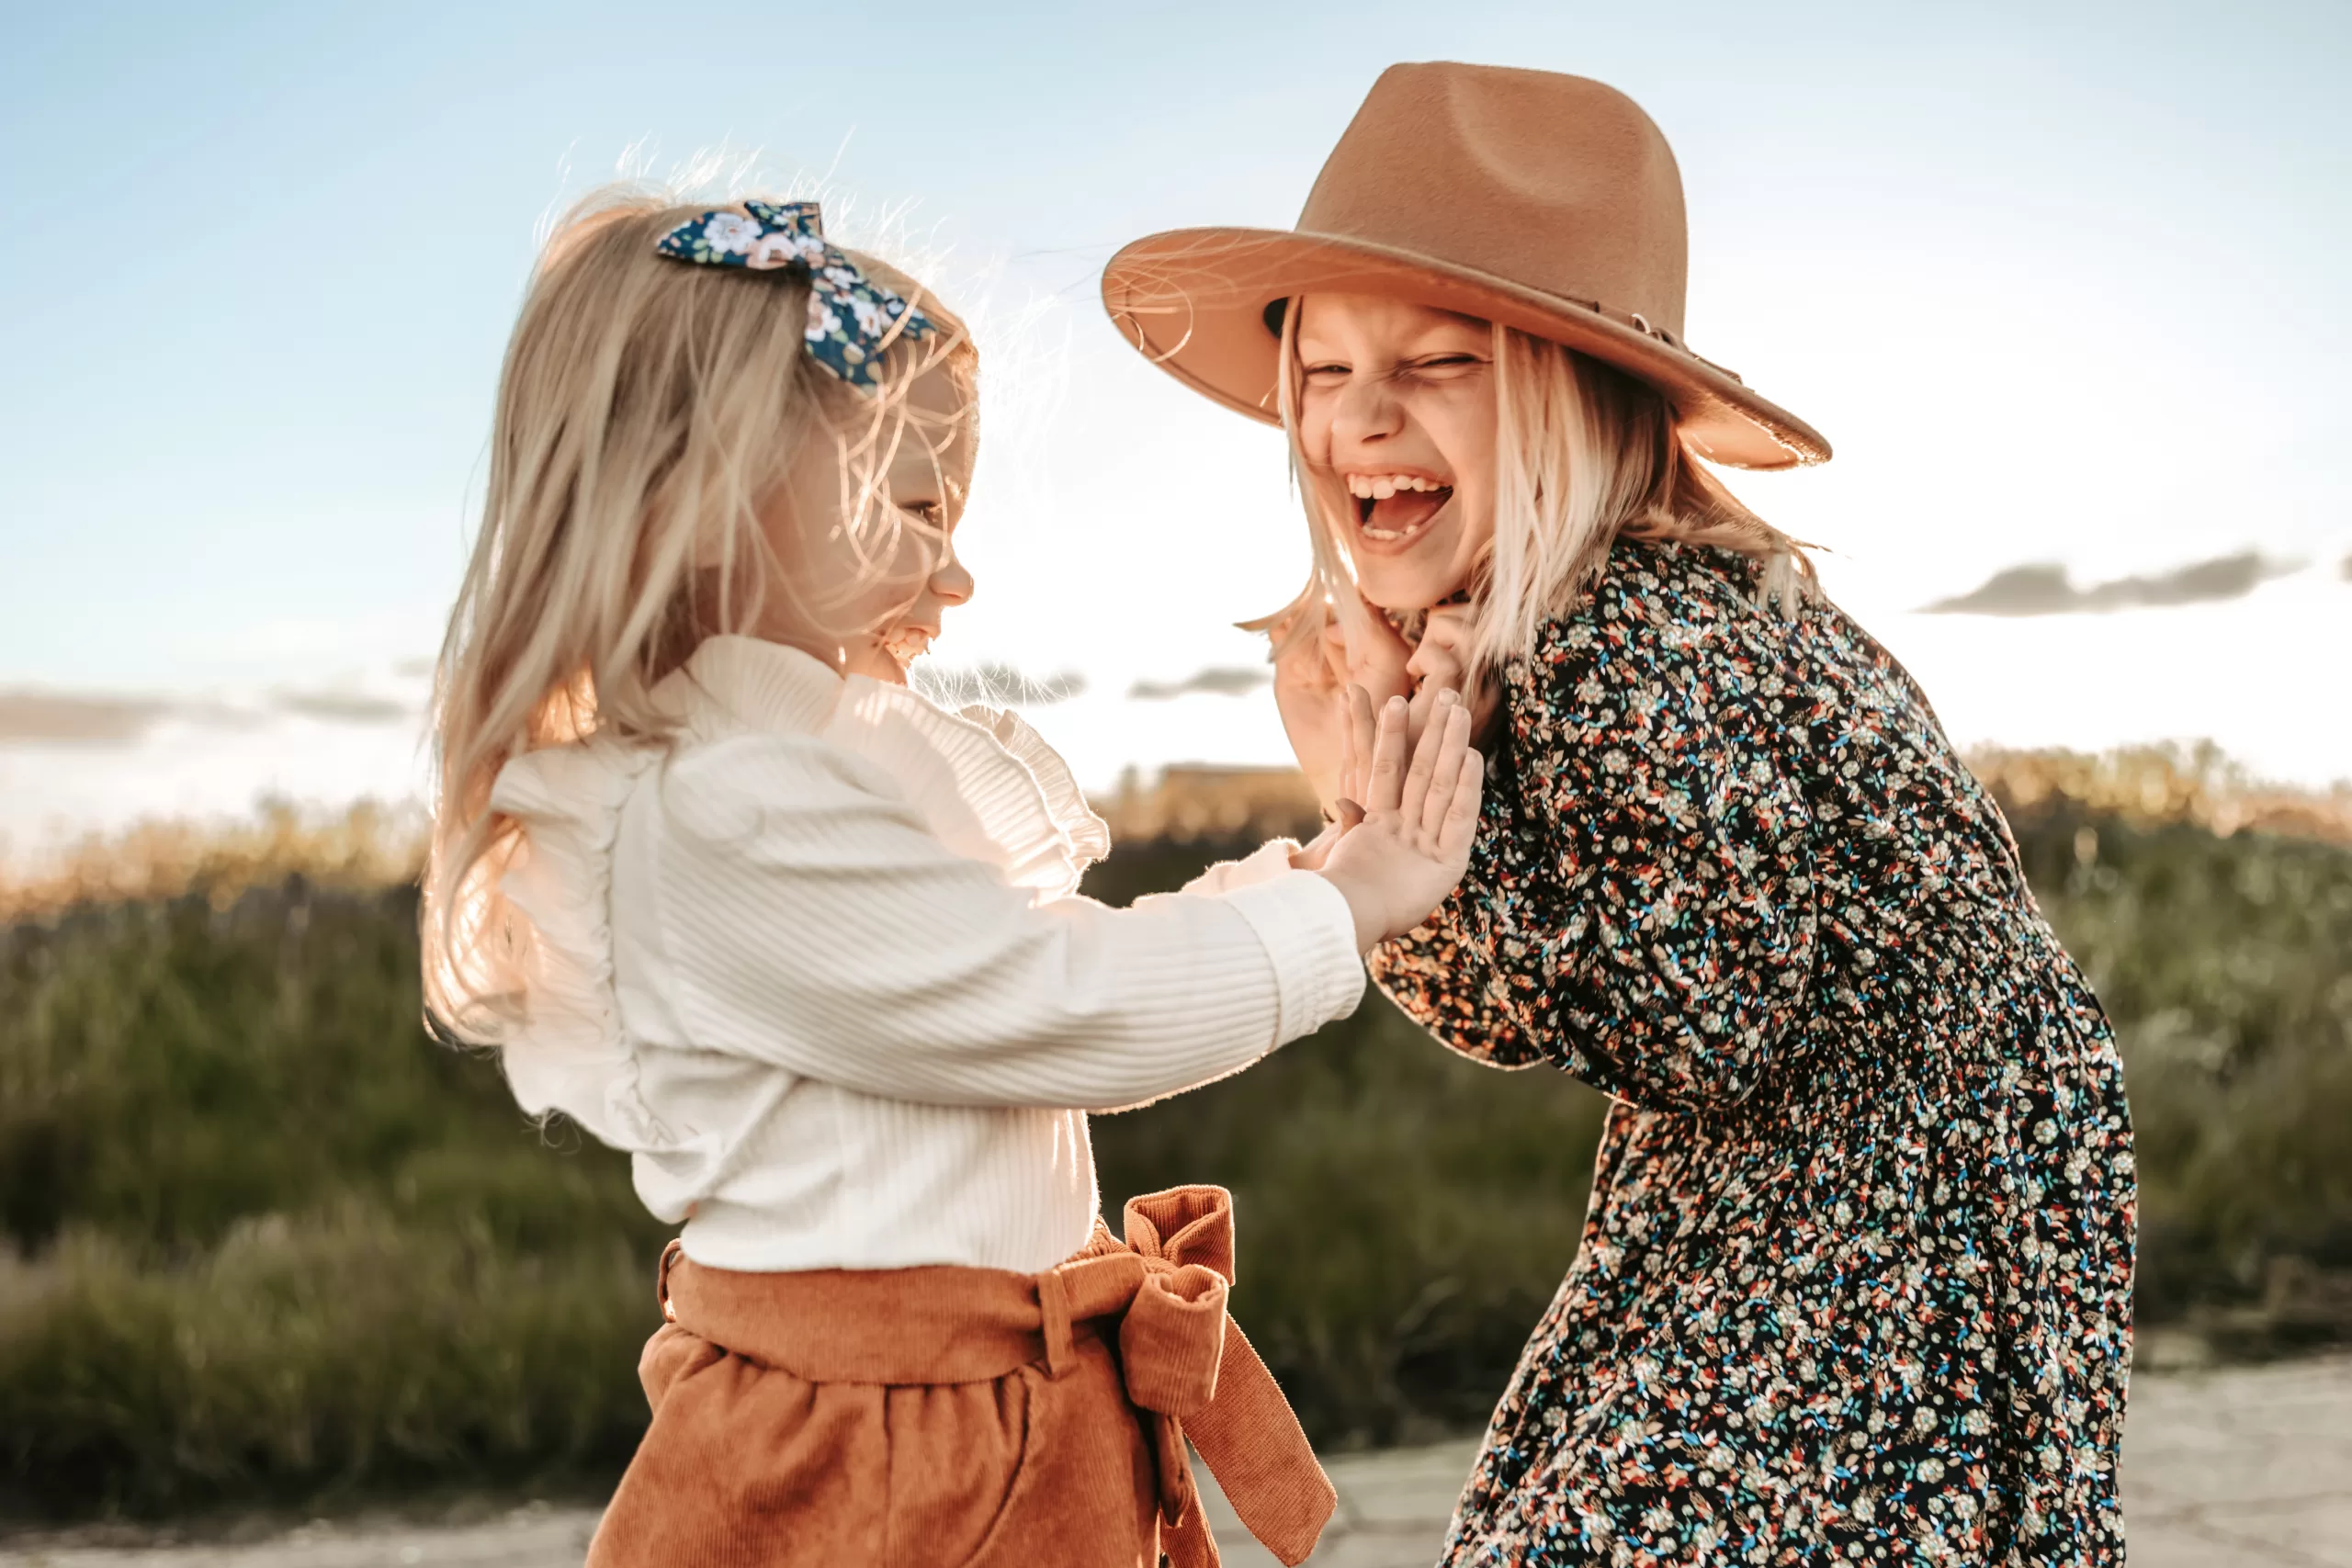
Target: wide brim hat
1544,202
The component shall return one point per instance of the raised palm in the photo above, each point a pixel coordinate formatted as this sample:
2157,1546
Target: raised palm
1420,814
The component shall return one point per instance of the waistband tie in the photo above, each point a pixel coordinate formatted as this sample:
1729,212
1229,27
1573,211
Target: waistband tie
1189,1364
1184,1362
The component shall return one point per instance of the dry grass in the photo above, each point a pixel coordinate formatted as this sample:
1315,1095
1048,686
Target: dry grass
363,846
372,845
2153,786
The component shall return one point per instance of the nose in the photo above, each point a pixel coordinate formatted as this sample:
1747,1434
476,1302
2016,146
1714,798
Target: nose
951,583
1366,410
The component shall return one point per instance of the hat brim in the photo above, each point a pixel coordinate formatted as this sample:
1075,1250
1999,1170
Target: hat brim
1193,302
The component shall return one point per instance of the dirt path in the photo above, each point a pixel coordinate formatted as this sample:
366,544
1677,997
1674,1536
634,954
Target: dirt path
2242,1468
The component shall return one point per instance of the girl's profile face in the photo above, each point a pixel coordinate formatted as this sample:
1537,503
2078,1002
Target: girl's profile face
1396,407
862,613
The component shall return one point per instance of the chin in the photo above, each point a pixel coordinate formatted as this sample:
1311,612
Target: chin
1413,582
1406,590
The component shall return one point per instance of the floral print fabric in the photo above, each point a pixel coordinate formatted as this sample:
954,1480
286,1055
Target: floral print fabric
851,318
1854,1285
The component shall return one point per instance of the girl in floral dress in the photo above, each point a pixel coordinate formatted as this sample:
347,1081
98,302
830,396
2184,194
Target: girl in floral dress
1854,1286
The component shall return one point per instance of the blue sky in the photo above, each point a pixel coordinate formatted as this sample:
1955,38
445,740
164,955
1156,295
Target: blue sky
2062,283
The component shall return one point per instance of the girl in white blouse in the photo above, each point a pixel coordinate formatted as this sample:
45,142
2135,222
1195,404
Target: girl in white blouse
723,889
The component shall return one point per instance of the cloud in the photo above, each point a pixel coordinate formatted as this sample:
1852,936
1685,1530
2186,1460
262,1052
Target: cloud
999,686
342,707
1223,680
2044,589
29,716
81,717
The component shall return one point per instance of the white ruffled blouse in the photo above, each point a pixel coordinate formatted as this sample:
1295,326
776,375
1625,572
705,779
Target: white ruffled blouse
822,967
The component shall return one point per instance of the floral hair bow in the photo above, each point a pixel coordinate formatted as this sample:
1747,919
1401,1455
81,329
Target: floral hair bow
851,318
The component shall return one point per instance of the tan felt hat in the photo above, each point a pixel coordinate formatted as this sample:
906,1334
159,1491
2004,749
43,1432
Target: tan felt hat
1545,202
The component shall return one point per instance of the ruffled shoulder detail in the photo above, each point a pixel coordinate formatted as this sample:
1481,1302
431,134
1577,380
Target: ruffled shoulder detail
570,1053
978,796
1089,835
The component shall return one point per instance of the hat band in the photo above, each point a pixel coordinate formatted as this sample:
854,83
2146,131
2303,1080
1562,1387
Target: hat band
1279,306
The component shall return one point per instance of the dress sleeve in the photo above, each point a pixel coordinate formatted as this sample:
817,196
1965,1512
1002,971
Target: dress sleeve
1439,974
815,923
1641,913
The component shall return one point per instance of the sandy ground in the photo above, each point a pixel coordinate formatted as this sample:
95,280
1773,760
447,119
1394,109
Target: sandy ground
2237,1468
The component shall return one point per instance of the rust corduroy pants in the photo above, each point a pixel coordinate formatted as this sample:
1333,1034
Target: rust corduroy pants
934,1417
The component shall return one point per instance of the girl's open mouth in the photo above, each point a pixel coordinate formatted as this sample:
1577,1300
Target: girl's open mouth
1395,511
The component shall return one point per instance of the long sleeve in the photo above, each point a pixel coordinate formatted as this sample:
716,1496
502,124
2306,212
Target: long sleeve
817,924
1440,973
1640,912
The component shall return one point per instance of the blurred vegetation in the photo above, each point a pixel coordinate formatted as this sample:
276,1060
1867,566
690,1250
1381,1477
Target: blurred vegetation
265,1242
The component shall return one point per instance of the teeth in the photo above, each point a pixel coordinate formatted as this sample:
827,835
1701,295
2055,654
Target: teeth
1380,487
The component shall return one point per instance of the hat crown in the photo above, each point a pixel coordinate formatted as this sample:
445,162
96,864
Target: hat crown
1553,182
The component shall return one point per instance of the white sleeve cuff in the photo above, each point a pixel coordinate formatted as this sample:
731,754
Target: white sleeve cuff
1310,935
1264,864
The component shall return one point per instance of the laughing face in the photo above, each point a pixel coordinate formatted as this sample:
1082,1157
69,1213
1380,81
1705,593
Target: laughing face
1396,411
858,609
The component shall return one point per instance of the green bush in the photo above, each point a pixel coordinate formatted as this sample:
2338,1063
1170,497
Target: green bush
2227,967
272,1244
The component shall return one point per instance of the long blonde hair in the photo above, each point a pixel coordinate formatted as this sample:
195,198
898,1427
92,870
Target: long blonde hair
648,410
1584,454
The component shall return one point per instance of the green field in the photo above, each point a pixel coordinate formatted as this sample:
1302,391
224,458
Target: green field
266,1242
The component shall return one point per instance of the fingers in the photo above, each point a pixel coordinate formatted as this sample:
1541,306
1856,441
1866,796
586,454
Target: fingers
1438,662
1362,726
1414,801
1334,646
1376,654
1443,676
1385,789
1453,747
1349,755
1351,813
1461,825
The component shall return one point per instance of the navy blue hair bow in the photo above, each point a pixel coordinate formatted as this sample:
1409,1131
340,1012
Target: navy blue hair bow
851,318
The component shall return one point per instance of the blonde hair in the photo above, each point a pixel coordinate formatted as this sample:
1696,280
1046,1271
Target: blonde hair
648,410
1584,454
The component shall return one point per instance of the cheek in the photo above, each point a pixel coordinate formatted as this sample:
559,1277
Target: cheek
1315,427
1467,439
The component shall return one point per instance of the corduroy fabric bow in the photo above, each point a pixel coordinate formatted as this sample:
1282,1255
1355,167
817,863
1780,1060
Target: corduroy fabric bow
1189,1365
851,318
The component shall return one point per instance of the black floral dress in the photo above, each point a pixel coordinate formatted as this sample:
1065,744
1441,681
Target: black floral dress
1855,1287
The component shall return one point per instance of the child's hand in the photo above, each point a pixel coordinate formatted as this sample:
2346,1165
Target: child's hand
1411,848
1441,663
1311,695
1377,659
1311,855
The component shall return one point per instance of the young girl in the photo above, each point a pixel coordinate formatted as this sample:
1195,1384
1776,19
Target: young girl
1855,1281
727,893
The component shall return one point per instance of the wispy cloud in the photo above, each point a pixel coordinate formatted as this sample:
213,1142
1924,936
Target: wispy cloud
1000,685
85,718
343,707
2046,589
33,716
1223,680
